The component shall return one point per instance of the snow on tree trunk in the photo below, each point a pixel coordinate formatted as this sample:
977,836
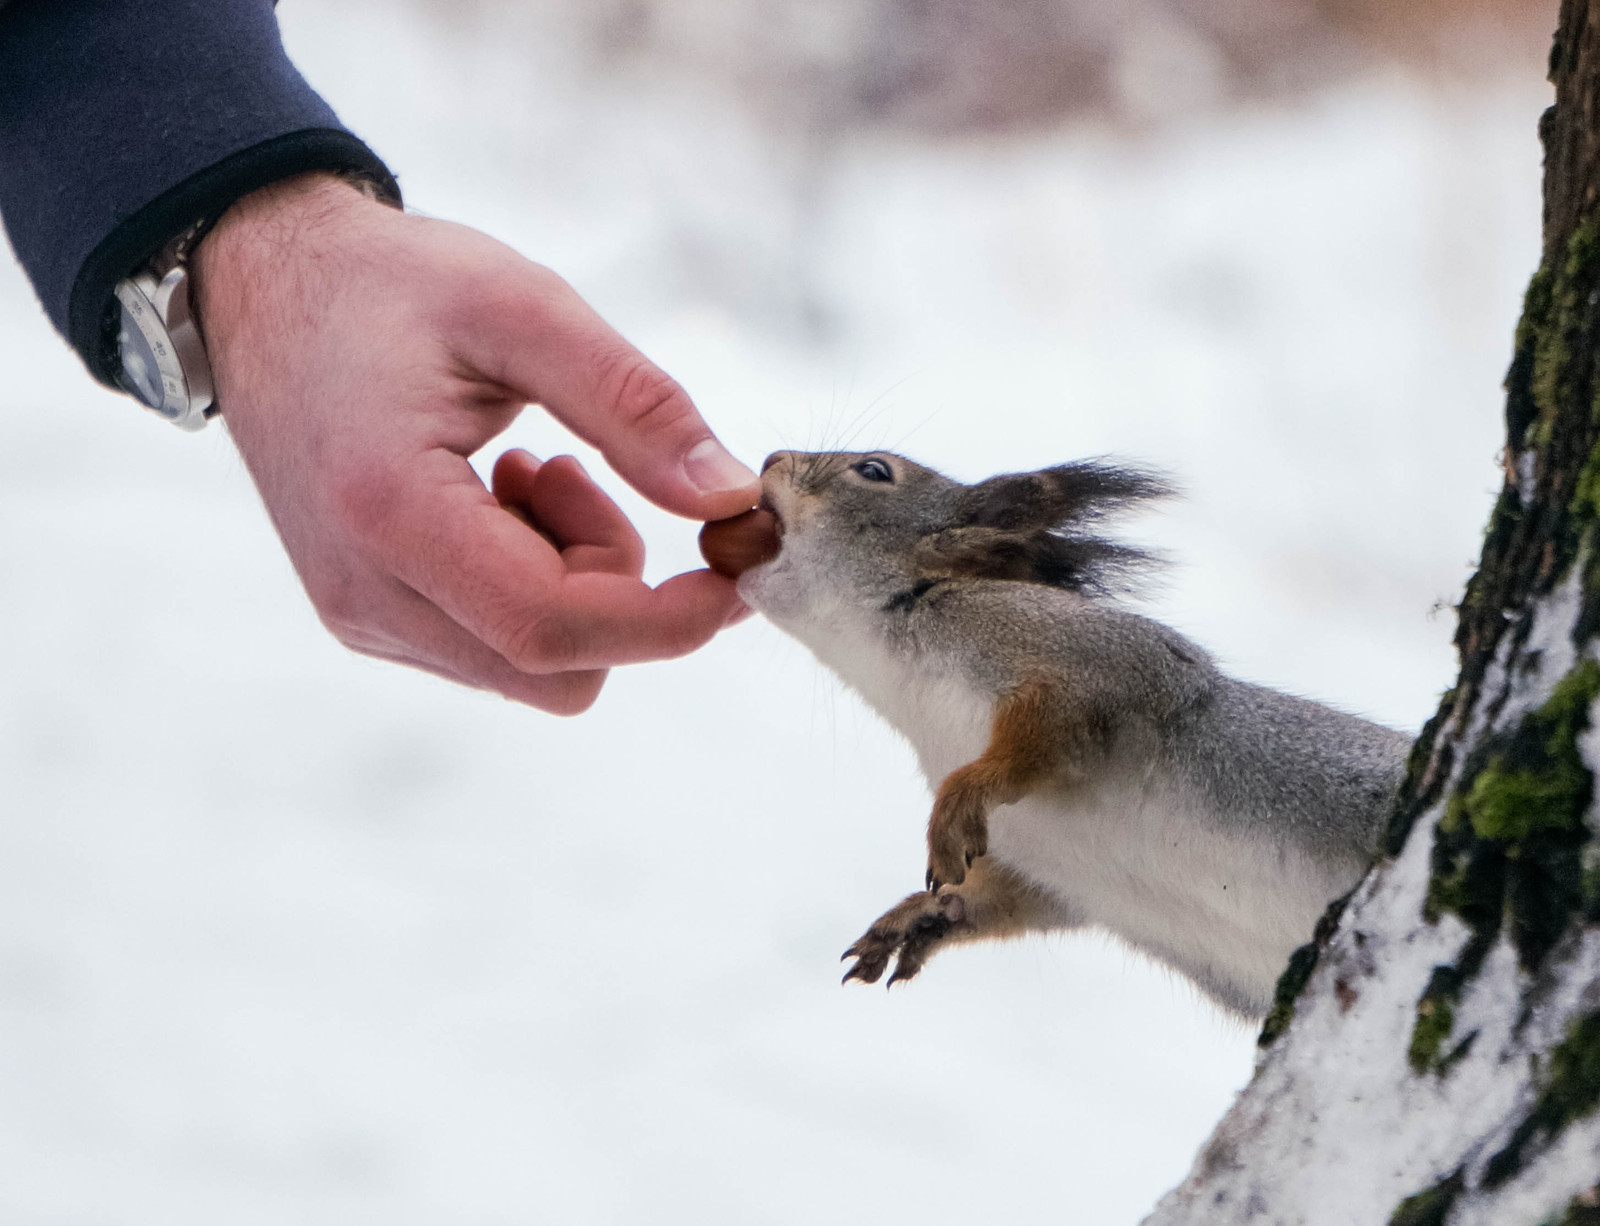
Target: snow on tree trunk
1434,1056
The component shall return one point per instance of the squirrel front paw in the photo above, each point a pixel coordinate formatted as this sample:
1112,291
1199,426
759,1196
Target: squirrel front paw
909,933
958,833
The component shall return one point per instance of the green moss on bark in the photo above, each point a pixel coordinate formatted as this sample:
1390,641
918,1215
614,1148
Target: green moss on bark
1547,516
1509,847
1522,407
1290,984
1298,973
1555,314
1431,1206
1424,776
1509,852
1548,511
1436,1012
1571,1090
1539,781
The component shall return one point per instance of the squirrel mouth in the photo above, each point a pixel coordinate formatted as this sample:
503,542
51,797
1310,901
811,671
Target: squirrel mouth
764,503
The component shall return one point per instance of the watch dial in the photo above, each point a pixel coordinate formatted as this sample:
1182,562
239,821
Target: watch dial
140,374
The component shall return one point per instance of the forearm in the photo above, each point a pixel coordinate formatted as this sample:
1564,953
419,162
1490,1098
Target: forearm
122,122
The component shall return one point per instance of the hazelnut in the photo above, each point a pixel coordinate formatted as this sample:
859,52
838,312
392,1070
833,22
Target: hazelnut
732,546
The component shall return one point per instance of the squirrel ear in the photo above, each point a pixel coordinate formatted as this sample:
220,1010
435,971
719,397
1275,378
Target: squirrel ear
1028,555
1015,500
1056,497
1036,527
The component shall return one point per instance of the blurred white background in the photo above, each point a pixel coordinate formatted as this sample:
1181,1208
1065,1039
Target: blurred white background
288,935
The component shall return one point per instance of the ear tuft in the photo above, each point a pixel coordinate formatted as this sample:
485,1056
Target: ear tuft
1031,527
1060,497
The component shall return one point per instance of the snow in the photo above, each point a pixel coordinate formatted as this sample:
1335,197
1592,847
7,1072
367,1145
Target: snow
290,935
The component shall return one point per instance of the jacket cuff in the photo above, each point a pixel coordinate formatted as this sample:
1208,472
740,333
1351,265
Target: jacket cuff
123,122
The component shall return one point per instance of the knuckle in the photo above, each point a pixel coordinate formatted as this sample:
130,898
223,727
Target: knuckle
518,290
511,296
540,643
633,554
644,397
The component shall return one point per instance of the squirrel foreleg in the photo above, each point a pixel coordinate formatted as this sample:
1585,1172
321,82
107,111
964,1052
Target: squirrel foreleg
1024,749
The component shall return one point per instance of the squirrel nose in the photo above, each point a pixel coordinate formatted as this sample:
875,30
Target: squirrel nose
774,458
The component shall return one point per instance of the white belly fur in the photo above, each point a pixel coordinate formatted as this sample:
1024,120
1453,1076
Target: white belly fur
1160,874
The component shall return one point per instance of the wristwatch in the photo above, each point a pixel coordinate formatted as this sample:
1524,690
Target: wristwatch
157,352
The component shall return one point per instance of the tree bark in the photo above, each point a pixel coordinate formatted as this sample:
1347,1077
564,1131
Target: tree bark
1434,1056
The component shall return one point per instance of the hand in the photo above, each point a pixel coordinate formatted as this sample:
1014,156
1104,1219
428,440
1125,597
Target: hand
361,355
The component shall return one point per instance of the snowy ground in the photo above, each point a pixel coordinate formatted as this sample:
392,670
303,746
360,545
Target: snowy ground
287,935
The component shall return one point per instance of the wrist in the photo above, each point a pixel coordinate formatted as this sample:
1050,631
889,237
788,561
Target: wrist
256,247
266,222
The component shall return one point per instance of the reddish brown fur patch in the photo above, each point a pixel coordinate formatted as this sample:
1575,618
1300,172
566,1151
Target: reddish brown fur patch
1025,747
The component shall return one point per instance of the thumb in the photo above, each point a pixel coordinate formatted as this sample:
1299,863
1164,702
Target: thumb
532,334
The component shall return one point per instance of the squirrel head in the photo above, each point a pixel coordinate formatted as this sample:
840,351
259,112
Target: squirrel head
876,529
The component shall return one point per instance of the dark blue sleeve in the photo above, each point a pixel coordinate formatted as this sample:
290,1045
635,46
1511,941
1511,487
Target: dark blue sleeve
122,122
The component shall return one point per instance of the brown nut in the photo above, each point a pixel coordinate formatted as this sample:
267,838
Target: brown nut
732,546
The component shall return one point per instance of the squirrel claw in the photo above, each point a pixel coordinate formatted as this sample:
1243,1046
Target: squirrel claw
947,870
868,969
903,970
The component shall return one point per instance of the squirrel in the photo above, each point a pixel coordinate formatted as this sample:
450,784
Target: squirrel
1091,766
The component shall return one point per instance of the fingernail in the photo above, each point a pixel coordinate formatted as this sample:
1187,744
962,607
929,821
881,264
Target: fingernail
741,611
711,470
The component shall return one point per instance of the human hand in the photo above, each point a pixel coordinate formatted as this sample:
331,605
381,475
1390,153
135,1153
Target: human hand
361,355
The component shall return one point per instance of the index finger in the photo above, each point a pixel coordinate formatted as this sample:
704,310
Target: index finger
445,536
530,332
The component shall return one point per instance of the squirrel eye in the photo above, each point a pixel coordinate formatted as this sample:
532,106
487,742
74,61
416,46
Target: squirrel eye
874,470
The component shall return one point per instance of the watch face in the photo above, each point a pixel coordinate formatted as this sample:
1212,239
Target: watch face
146,357
140,373
161,360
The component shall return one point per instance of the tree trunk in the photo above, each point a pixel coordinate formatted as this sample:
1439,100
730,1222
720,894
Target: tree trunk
1434,1056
